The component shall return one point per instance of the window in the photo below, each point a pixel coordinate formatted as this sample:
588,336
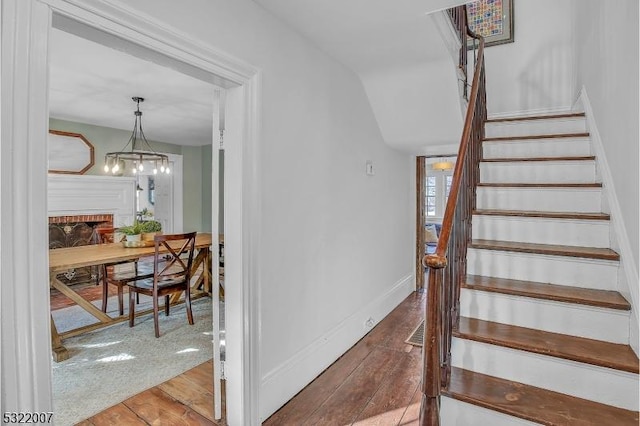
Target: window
431,195
448,180
438,186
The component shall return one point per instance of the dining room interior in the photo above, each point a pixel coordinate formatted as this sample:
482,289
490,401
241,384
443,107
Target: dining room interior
103,360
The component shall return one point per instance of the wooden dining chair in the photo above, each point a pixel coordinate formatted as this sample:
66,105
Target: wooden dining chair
171,274
110,275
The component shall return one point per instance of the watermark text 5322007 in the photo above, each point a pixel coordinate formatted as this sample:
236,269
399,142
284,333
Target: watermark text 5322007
27,417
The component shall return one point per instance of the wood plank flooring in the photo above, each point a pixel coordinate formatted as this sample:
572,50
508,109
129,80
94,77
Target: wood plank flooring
186,399
374,383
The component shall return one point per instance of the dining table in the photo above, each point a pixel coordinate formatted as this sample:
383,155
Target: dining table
69,258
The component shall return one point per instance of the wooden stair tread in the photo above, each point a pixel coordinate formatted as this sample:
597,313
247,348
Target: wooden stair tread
542,185
559,293
537,117
525,159
595,352
542,214
529,137
533,404
550,249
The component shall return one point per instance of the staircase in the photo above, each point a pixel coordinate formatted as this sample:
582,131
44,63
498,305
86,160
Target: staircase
543,333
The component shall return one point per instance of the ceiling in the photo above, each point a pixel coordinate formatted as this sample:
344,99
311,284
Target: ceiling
399,51
365,35
91,83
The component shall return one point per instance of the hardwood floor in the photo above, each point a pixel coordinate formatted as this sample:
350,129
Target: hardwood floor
89,291
374,383
186,399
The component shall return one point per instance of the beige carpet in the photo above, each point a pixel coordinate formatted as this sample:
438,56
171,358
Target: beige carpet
109,365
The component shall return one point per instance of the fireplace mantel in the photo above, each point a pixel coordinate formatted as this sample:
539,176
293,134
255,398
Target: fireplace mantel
70,195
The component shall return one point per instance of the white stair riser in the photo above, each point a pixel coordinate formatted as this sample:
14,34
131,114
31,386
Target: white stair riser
541,148
535,127
538,172
540,199
457,413
561,270
569,232
586,381
610,325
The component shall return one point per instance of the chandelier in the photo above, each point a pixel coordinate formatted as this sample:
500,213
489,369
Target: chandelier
140,154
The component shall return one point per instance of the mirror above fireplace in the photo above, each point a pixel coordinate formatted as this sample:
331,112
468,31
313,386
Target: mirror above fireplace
69,153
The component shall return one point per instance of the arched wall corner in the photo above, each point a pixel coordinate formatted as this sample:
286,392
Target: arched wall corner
24,300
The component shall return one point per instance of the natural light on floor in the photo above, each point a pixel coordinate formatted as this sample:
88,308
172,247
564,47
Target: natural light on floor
187,350
101,345
114,358
390,417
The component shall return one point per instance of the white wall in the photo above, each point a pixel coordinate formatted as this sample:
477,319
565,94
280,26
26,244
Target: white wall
418,105
606,45
336,244
535,73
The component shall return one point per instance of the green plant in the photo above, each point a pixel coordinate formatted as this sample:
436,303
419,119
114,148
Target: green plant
134,229
151,226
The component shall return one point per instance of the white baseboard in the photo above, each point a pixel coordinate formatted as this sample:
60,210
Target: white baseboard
628,273
283,382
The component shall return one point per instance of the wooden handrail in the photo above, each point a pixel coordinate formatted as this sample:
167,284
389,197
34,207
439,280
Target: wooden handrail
448,265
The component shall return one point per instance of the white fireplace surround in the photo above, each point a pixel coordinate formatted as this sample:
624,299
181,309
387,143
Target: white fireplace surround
71,195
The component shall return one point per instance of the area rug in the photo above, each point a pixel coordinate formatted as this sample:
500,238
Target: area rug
112,364
416,338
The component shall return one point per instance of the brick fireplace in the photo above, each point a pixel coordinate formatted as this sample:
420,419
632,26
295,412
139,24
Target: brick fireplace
76,230
79,204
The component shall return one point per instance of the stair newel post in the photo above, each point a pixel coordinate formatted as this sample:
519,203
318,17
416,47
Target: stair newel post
431,352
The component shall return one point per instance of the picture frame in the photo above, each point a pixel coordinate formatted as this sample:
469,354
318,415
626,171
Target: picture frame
69,153
492,19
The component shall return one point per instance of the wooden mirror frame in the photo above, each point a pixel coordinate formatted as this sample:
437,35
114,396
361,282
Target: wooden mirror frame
74,168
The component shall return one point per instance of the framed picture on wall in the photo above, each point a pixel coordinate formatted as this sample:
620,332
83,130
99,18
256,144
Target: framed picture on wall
492,19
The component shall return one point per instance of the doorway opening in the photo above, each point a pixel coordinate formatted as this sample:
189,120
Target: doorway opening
27,344
115,359
434,174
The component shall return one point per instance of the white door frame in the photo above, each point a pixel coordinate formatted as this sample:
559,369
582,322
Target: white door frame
24,297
